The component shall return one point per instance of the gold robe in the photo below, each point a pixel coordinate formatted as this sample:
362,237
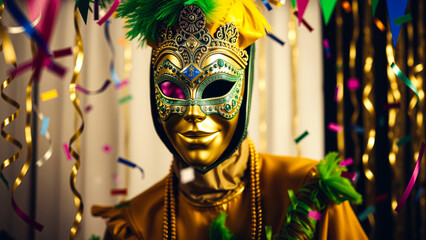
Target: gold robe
225,189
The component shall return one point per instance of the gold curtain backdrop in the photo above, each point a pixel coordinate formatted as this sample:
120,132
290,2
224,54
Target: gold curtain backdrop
283,88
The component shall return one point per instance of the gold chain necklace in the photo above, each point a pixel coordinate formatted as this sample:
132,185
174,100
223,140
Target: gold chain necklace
169,212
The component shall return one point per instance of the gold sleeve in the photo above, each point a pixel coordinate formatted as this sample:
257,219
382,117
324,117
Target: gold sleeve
339,222
118,225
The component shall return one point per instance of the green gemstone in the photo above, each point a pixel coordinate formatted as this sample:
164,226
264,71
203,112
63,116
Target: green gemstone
210,109
177,109
215,66
233,103
238,90
228,107
211,68
220,62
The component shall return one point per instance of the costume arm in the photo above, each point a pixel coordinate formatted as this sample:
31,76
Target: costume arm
340,222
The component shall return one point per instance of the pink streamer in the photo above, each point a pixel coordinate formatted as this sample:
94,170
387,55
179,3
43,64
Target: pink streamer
315,215
412,180
109,13
301,7
346,162
335,127
33,223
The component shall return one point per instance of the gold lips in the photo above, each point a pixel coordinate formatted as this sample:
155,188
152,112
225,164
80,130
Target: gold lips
198,137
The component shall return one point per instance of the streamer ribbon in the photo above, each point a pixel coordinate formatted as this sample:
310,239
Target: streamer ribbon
88,92
26,24
10,57
412,180
18,30
78,63
405,79
3,178
46,156
113,73
109,13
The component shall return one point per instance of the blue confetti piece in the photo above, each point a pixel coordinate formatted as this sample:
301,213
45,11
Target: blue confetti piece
357,129
130,164
276,39
267,5
113,73
44,125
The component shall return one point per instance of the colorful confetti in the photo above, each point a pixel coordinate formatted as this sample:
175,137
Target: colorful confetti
123,83
122,191
362,216
379,24
302,136
116,178
62,52
49,95
418,195
357,129
405,79
335,127
304,22
315,215
88,108
348,175
44,125
353,84
267,5
412,180
346,7
396,8
276,39
403,141
391,105
130,164
187,175
125,99
346,162
403,19
107,148
327,48
381,197
67,152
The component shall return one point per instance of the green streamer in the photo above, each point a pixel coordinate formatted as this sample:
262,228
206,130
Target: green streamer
403,19
293,3
362,216
268,232
406,80
4,179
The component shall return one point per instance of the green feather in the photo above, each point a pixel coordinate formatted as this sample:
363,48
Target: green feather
145,17
218,230
334,186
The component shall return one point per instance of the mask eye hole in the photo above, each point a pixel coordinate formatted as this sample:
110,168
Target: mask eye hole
172,90
217,88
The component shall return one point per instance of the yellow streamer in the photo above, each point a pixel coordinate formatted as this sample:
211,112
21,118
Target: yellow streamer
340,81
352,72
292,37
369,115
73,96
10,57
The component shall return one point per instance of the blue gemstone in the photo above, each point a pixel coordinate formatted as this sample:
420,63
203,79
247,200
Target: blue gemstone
191,72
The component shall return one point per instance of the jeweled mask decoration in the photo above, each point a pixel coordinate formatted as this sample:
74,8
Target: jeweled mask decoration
190,63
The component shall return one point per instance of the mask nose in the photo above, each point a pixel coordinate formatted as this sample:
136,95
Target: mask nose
194,114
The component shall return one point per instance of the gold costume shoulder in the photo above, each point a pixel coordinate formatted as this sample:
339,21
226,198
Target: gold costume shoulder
142,219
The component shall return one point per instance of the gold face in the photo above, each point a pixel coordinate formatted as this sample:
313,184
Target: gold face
200,137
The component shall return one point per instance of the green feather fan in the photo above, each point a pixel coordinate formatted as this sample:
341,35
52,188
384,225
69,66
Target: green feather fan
144,17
